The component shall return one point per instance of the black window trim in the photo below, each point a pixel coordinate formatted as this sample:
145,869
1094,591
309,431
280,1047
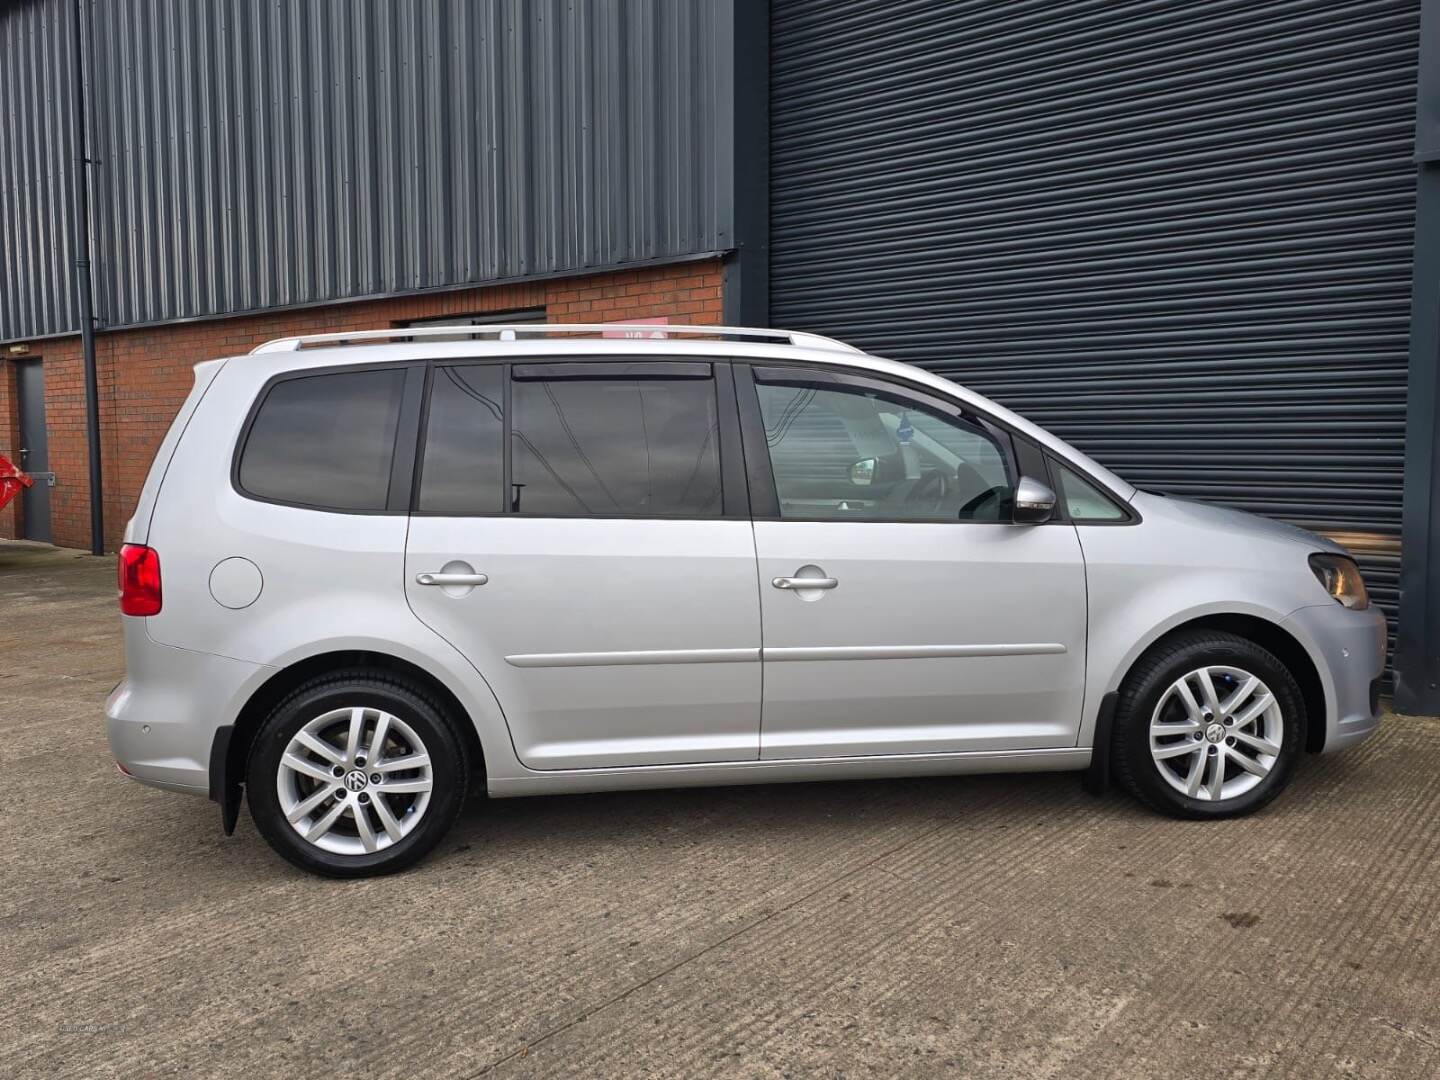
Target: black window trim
397,499
765,498
734,496
554,371
1032,461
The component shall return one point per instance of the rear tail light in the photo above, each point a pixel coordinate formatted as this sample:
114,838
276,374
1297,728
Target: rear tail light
139,574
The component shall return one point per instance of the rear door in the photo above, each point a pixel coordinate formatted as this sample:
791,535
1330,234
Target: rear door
581,535
903,612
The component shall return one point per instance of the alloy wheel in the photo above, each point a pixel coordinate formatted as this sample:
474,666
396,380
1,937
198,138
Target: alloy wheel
355,780
1216,733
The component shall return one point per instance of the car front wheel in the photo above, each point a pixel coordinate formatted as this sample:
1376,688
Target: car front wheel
1209,725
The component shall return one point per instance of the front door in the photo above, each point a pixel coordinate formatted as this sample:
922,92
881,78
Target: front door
34,450
574,538
903,612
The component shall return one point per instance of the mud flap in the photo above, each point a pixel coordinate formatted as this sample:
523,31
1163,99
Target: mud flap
224,787
1096,779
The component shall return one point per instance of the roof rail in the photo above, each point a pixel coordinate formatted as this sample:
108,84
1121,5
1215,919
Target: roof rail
513,332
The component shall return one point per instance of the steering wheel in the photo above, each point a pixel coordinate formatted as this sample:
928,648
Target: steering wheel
927,494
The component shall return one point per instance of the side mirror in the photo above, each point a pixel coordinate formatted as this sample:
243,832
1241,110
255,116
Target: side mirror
1034,502
862,473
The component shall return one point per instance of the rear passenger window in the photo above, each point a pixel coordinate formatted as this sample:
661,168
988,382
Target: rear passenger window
615,446
325,440
463,468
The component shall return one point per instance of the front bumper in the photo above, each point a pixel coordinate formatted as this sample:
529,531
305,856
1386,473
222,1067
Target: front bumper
1348,648
162,717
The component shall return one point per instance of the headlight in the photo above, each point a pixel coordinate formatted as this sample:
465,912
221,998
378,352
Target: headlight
1341,579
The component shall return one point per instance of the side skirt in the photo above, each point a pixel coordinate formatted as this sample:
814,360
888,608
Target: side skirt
789,771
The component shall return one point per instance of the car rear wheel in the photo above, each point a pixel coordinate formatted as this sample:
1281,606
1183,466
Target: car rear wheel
1209,725
356,774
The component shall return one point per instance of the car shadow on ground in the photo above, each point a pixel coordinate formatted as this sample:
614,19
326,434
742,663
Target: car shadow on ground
737,818
800,808
731,817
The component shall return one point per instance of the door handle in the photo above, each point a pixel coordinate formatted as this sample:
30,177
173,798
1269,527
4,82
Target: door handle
804,582
451,579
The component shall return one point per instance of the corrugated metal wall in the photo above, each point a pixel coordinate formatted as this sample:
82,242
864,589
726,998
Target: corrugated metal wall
1179,235
257,154
36,267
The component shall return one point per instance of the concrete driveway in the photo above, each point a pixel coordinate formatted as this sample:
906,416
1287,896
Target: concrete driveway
996,926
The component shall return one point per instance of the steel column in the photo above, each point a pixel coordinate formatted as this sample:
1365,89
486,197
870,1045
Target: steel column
1417,645
747,268
85,312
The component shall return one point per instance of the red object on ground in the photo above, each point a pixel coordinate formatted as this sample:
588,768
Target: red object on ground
12,481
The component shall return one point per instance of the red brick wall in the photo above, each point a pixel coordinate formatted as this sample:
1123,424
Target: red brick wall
145,374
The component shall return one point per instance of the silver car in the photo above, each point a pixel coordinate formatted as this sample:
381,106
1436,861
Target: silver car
369,573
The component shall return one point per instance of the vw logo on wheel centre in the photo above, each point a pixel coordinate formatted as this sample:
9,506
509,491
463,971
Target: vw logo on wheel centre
355,780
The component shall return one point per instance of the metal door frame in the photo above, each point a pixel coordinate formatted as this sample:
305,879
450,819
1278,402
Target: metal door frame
38,495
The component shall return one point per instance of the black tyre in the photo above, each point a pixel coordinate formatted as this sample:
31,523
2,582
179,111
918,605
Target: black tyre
1208,725
355,774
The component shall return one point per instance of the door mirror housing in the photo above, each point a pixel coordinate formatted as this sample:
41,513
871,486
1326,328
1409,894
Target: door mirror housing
1034,502
862,473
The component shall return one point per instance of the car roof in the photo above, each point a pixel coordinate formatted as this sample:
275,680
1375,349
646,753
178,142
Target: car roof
597,341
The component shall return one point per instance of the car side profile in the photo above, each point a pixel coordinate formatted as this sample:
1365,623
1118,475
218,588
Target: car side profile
370,573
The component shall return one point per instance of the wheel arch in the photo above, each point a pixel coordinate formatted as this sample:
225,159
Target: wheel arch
1269,635
280,684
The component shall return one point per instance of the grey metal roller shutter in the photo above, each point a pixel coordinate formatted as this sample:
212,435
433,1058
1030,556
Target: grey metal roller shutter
1178,235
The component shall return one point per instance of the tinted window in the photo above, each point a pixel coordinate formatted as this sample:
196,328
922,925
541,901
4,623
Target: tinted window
854,453
463,470
642,446
325,440
1084,501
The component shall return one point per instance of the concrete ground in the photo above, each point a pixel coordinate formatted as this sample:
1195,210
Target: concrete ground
994,926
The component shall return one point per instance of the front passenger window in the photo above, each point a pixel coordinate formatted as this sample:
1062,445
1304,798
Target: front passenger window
854,453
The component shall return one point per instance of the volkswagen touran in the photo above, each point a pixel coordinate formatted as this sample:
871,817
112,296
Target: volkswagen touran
371,573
